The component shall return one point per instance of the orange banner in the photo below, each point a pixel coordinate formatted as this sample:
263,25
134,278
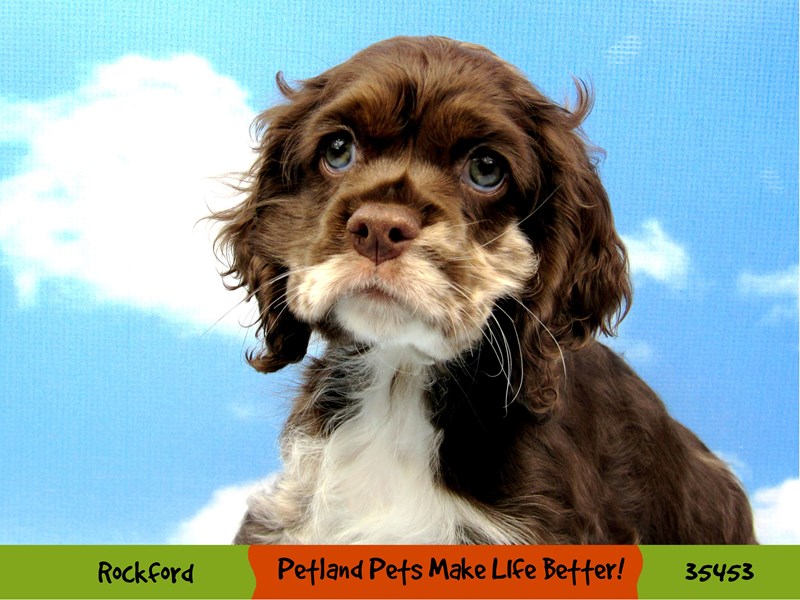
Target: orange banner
446,571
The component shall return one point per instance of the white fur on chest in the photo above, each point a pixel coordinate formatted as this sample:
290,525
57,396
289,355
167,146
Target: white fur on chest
372,481
375,482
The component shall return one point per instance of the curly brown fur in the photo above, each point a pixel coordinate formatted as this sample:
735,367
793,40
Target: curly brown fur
442,225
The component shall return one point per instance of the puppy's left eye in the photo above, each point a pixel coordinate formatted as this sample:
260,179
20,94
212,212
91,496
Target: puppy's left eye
339,152
485,170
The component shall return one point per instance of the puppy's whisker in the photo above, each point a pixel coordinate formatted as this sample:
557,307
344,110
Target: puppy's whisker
525,218
224,316
504,358
541,205
486,332
549,333
247,298
521,359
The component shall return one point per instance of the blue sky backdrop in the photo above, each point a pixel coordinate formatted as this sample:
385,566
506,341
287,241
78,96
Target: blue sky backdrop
127,412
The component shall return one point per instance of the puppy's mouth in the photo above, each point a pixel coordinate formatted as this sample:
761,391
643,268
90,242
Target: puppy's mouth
377,292
380,301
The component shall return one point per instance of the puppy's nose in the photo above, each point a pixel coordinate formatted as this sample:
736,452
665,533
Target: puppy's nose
382,232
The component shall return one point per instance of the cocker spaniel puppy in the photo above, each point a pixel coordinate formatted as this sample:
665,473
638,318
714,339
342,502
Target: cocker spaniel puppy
441,225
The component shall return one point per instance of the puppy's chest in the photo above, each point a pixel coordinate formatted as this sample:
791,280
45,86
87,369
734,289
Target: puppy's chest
375,480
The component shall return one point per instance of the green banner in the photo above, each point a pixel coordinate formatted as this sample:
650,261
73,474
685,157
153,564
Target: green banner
125,572
225,572
720,572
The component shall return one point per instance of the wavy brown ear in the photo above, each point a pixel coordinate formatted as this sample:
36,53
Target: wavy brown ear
284,339
253,252
582,286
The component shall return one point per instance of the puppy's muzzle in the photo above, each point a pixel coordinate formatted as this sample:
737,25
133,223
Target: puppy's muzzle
381,232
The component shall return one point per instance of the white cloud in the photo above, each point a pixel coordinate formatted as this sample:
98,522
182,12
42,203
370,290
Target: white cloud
776,513
772,180
637,352
624,51
776,284
117,175
739,467
781,287
654,254
218,521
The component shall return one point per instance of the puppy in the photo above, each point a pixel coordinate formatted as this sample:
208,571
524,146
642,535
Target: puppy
442,226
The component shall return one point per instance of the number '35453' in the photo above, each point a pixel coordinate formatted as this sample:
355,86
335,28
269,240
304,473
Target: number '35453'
722,572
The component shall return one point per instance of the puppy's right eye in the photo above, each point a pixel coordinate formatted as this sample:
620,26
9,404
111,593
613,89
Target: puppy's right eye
339,152
485,171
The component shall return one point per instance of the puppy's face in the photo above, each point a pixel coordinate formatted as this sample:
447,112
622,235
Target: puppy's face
402,228
400,195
